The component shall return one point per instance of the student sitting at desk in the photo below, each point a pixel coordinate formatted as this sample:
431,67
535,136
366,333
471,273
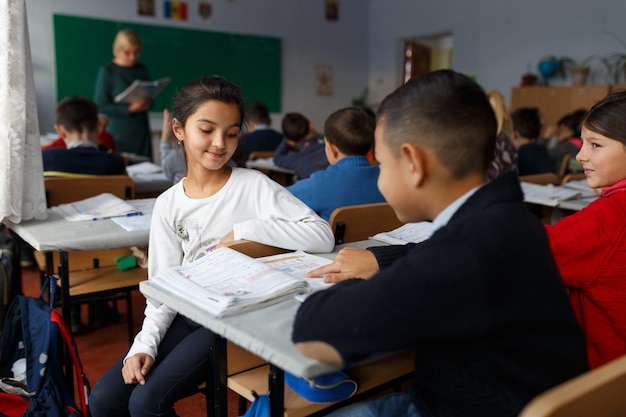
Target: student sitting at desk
213,204
481,300
260,136
533,157
172,158
106,142
350,179
301,149
589,246
77,123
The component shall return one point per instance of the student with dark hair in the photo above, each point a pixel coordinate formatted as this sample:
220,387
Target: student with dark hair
533,157
568,137
481,301
590,246
77,124
260,136
213,204
301,148
350,179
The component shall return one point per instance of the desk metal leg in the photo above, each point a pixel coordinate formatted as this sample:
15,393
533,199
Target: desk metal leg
66,311
277,391
216,388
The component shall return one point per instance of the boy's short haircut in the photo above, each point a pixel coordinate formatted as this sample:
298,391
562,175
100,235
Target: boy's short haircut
295,126
77,114
527,122
351,129
446,112
258,113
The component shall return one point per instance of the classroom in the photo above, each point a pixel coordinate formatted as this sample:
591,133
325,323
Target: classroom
323,55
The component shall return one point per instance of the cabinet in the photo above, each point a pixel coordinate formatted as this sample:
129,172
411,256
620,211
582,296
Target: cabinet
555,102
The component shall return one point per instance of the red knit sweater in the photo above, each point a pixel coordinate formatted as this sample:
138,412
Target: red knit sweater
589,248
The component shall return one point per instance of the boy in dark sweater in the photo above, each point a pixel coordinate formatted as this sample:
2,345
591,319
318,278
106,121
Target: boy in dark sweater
481,301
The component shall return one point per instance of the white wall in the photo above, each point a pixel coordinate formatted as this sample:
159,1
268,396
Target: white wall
497,40
308,40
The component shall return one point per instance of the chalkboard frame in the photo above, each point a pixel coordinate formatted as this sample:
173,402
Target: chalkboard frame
83,44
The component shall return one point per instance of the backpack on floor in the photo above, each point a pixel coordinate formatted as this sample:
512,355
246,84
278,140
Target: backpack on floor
10,270
32,357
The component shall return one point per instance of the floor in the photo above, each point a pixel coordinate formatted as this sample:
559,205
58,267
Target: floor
99,349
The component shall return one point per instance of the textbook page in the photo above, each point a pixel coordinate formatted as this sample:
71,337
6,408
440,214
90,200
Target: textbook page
407,233
548,195
140,89
99,207
297,264
225,281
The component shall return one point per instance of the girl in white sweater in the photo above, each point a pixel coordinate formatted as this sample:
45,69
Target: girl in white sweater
213,204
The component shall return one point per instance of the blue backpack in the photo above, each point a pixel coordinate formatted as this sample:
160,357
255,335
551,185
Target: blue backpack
36,338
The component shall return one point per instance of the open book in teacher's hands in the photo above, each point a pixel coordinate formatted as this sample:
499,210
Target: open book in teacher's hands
140,89
224,281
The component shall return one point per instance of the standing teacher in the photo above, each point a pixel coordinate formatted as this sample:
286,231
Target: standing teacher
129,122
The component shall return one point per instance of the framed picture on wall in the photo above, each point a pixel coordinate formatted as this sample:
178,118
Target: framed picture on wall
332,9
324,80
145,7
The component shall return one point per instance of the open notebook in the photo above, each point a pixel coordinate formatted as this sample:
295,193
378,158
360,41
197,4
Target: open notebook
102,206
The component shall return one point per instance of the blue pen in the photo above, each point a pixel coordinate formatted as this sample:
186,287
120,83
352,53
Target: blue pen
134,213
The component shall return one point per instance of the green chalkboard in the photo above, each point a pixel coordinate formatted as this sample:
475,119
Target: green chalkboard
82,45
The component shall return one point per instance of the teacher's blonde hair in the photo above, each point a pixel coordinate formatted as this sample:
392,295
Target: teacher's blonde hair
127,37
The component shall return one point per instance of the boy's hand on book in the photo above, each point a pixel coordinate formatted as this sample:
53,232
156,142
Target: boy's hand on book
229,237
349,263
136,368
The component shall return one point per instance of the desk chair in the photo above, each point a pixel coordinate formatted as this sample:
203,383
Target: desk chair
359,222
573,176
597,393
93,274
543,179
253,156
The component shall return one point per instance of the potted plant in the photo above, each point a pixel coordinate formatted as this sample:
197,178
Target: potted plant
617,60
580,70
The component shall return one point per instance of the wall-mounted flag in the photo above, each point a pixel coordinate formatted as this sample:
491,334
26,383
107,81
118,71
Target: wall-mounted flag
175,10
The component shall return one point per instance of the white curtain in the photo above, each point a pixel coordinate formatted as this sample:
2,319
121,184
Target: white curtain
22,195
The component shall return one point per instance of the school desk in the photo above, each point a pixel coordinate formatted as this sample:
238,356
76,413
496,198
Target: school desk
281,175
56,234
264,332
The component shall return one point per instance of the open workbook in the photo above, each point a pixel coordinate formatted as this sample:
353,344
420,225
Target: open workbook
224,281
102,206
140,89
548,195
407,233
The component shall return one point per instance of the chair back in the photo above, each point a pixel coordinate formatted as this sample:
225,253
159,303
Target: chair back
543,179
361,221
254,155
597,393
62,190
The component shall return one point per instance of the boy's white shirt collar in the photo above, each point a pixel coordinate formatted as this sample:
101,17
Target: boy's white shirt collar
80,144
446,214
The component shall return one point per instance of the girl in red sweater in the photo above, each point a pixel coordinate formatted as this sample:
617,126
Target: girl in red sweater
590,246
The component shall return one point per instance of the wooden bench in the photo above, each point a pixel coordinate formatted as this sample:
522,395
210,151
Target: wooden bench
372,378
